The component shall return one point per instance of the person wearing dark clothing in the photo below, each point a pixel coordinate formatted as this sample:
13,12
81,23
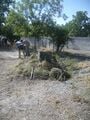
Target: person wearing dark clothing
27,47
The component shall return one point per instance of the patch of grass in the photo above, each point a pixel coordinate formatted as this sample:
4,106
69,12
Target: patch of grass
68,63
41,74
23,69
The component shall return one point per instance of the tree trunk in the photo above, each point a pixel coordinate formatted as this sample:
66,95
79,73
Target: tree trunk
57,48
35,46
61,48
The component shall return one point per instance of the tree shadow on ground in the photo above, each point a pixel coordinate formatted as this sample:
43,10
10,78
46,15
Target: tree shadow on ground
77,56
7,49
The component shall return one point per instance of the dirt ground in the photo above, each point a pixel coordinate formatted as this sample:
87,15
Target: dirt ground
25,99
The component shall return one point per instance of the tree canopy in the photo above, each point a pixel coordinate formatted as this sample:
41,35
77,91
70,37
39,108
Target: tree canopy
4,9
59,37
36,18
79,25
41,10
17,23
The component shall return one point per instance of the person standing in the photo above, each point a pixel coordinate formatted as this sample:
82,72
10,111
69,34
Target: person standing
27,47
21,48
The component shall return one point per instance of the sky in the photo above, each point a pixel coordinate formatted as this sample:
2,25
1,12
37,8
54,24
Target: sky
71,7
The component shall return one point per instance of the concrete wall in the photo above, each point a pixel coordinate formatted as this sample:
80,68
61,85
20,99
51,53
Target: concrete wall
43,42
80,43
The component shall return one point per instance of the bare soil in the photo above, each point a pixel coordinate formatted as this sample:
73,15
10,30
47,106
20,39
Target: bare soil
25,99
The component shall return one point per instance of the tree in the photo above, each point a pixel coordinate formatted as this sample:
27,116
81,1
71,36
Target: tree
59,37
36,18
17,23
40,14
79,25
40,10
4,9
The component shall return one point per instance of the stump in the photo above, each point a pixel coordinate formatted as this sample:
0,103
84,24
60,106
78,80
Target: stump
45,55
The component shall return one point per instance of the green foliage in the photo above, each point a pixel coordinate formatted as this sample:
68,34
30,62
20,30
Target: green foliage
68,63
33,18
36,29
17,23
41,10
4,9
59,37
39,14
79,25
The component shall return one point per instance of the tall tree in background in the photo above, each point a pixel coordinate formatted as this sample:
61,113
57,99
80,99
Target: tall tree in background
40,10
36,18
59,37
40,15
79,25
15,26
4,8
17,23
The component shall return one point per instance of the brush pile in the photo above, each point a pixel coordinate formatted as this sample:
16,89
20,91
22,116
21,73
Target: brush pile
42,66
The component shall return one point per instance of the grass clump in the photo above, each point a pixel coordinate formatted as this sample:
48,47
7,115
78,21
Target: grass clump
23,69
41,74
68,64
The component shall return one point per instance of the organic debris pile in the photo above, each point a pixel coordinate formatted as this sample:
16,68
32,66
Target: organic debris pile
42,66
